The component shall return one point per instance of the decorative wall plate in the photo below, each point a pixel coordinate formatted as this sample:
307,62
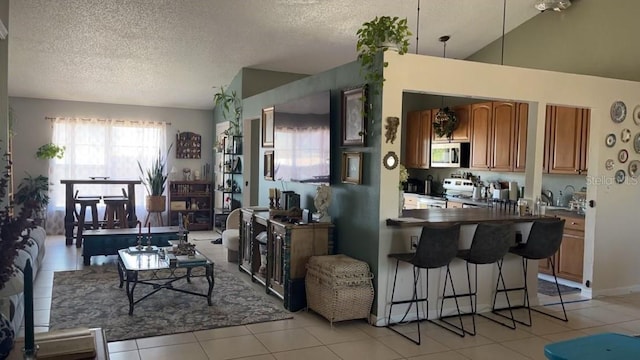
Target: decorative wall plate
618,111
623,156
636,115
620,176
610,140
634,168
609,164
636,143
625,135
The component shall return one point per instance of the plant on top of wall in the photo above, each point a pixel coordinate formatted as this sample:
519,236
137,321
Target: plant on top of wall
231,109
50,151
379,35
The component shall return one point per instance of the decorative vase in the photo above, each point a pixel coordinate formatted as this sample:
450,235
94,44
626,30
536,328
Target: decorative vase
400,203
7,337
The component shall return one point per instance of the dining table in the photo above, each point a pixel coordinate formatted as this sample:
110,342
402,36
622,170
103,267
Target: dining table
70,203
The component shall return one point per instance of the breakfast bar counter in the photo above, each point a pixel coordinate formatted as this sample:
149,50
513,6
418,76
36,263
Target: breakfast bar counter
464,216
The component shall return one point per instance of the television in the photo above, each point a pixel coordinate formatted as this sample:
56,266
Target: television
302,139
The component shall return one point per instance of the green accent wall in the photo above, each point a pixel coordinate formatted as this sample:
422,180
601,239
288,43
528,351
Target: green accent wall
592,37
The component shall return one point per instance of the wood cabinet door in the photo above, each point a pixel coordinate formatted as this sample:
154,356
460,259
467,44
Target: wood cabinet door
566,137
417,146
545,267
520,145
503,134
461,133
550,113
584,146
454,205
480,136
570,257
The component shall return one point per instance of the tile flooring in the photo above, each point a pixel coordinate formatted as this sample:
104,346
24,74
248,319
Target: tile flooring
308,336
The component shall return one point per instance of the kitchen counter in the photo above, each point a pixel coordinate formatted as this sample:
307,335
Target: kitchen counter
462,216
565,213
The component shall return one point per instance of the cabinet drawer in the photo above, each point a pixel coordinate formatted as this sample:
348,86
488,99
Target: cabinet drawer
572,223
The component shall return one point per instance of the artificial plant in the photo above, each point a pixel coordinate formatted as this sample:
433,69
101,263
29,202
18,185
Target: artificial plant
231,109
155,177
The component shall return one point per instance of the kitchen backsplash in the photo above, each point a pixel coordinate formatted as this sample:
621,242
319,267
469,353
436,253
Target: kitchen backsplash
553,182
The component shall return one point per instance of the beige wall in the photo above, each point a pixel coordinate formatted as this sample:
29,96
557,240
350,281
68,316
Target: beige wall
592,37
611,242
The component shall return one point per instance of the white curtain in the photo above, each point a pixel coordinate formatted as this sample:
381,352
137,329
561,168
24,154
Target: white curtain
101,148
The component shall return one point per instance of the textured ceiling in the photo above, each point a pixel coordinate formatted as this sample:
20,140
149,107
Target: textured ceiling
174,52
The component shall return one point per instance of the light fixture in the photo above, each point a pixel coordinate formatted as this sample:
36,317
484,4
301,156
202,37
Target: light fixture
555,5
445,120
3,31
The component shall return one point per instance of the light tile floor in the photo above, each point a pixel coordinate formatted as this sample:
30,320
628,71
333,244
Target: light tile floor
310,337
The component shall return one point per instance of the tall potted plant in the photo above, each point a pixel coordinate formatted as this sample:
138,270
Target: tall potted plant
33,194
155,181
231,106
379,35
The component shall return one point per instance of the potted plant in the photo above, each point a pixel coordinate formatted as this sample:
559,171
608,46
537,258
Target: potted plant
155,181
50,151
230,102
33,193
379,35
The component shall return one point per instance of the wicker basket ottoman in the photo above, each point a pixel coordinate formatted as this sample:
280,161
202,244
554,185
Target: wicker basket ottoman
339,287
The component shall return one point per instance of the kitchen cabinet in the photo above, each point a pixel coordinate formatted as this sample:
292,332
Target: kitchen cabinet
567,137
520,151
418,134
454,205
461,133
569,259
493,133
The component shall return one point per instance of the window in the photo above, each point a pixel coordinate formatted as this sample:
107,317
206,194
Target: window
101,148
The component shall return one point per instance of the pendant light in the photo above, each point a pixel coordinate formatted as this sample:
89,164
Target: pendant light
445,120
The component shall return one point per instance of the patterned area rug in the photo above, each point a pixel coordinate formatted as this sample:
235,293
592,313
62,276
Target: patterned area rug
92,298
549,288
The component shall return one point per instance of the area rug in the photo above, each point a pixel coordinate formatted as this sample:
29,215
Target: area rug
92,298
549,288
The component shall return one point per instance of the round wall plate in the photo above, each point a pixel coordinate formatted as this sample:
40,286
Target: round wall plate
618,111
620,176
625,135
634,168
636,115
609,164
610,140
623,156
636,143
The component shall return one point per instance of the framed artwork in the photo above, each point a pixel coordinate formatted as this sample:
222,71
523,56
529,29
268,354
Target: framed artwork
268,165
352,167
354,117
267,127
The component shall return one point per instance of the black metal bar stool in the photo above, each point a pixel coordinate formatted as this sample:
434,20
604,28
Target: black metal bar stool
544,240
85,202
491,242
437,247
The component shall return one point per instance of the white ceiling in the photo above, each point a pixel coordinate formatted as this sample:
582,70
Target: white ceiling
174,52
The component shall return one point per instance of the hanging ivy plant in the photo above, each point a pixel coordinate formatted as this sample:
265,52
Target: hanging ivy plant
445,123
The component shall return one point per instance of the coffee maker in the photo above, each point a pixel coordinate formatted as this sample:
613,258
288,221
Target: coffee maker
414,186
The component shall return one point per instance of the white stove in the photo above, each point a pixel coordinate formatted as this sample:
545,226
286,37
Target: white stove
461,188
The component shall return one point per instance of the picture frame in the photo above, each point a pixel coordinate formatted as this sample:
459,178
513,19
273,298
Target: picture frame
352,168
354,105
267,127
268,165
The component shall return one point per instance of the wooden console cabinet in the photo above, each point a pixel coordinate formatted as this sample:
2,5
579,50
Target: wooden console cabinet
289,247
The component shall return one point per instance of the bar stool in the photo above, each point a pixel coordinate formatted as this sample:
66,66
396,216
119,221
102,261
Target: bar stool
544,240
490,244
437,247
85,202
115,210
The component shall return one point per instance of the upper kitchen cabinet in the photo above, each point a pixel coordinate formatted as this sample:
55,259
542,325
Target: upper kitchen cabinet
493,133
567,140
461,133
418,134
522,122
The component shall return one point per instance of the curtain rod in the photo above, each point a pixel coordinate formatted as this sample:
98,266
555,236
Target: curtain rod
105,120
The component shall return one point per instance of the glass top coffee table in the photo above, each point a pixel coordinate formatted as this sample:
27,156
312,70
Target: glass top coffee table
156,269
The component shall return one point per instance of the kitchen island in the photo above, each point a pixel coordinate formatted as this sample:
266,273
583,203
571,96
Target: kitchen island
409,226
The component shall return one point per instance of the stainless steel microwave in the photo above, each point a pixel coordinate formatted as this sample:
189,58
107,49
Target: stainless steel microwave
450,155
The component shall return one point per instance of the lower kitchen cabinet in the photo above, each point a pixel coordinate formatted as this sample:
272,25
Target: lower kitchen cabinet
569,259
280,264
